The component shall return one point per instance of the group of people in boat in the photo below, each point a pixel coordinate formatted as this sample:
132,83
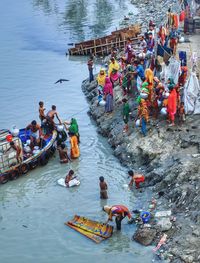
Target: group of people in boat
37,133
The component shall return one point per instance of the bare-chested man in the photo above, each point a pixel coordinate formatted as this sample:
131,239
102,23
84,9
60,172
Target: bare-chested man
35,133
41,111
51,114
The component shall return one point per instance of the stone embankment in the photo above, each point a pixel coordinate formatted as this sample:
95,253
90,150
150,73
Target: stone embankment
170,159
168,156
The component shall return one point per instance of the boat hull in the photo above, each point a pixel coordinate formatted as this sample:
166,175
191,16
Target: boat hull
38,159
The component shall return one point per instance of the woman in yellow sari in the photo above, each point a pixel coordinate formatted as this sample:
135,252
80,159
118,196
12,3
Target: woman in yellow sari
149,78
101,77
113,71
101,83
75,153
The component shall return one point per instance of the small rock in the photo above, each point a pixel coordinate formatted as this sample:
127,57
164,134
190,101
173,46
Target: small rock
166,213
164,224
196,232
187,258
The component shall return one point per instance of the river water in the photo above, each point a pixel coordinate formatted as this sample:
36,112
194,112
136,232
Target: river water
33,209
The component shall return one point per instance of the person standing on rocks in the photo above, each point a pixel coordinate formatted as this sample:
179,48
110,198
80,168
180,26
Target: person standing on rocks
108,93
126,111
172,102
119,211
143,114
90,68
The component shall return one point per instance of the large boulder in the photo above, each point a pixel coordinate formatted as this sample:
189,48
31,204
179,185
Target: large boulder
145,236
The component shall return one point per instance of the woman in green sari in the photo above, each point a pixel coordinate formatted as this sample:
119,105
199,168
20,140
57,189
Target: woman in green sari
73,128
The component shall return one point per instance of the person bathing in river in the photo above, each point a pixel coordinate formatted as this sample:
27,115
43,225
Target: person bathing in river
35,133
62,149
135,178
73,128
119,211
103,188
69,177
75,152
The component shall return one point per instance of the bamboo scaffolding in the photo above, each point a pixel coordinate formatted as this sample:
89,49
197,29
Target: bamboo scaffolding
84,50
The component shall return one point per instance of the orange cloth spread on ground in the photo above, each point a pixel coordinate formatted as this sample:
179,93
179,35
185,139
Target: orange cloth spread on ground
75,153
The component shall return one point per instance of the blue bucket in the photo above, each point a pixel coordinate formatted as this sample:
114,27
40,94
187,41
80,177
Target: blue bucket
145,216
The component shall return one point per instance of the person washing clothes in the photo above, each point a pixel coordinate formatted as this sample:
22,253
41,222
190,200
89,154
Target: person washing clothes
135,178
119,211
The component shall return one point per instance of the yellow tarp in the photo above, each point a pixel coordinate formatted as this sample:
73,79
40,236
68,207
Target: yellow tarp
94,230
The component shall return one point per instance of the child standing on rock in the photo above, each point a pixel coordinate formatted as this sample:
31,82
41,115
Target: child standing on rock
126,111
103,188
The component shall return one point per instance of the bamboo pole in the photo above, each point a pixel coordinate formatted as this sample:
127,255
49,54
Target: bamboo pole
94,47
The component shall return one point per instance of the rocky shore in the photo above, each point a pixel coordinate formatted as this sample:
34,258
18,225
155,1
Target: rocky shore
168,156
154,9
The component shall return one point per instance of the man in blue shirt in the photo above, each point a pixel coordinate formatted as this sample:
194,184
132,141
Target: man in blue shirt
139,70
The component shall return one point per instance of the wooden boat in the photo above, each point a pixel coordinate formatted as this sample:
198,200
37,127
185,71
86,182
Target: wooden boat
102,46
9,167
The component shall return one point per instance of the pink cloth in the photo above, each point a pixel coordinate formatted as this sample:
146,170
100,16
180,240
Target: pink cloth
115,76
108,88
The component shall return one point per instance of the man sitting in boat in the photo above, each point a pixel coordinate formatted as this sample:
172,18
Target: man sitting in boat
35,133
50,118
17,149
113,71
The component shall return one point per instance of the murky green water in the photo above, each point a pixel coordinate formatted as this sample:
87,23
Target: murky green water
33,209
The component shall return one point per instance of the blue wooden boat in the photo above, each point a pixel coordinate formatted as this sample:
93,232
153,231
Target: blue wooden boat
10,168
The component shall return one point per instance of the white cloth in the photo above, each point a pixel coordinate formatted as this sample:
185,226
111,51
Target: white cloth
173,70
192,95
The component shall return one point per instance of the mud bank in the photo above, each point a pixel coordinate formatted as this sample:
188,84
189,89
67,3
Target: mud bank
169,158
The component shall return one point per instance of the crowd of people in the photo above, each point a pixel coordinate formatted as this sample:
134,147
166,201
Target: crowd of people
150,73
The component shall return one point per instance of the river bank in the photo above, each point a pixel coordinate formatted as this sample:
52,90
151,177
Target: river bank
168,156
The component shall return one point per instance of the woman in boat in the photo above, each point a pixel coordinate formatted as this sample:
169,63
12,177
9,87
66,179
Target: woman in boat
108,93
75,153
